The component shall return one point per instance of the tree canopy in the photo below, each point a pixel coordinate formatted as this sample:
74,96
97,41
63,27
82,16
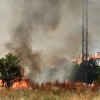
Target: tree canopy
93,73
92,70
10,69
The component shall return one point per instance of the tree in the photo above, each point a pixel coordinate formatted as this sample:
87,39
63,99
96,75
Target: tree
76,73
92,70
10,69
98,74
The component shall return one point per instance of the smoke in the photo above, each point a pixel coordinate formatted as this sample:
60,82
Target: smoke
41,37
43,32
94,22
61,71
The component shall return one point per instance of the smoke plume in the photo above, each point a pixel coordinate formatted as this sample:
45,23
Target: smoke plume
43,32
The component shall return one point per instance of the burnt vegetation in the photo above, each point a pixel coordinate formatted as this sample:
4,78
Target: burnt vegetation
58,87
11,72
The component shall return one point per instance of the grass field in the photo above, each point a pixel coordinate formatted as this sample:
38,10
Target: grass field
54,94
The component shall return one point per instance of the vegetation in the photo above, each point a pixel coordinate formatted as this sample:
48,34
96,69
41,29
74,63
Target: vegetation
54,94
76,73
93,71
98,73
10,69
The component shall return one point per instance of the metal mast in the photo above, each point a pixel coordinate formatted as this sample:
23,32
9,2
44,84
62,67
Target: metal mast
84,41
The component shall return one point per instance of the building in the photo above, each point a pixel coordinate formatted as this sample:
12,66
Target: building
95,56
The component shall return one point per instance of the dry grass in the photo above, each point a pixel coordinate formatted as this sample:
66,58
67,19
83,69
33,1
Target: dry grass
49,91
55,94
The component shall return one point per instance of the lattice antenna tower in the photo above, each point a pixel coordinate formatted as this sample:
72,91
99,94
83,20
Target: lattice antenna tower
84,40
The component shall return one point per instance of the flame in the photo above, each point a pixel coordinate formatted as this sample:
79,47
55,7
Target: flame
16,85
1,83
24,84
20,84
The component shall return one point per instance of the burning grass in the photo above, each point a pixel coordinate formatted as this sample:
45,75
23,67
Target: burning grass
52,91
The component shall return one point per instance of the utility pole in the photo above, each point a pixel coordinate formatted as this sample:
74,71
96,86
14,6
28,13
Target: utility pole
84,41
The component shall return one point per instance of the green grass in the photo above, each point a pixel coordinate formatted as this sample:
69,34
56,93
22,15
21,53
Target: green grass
54,94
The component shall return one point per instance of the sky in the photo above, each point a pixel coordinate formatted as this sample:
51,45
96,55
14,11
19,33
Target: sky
12,12
46,30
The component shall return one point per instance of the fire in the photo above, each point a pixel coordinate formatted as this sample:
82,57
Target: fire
24,84
20,84
1,83
16,85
